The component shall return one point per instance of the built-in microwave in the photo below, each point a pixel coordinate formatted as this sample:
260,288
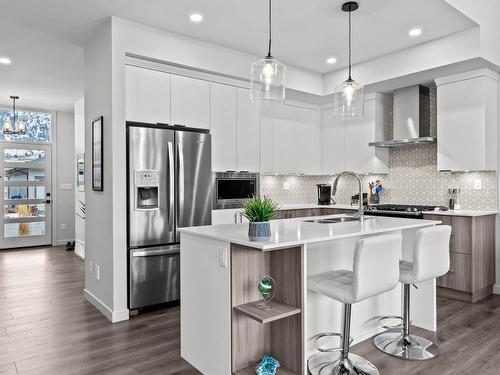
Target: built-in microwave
230,189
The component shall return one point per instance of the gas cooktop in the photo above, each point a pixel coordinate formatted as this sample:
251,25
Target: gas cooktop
401,209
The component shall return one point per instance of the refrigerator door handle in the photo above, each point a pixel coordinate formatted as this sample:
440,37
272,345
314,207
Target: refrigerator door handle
171,177
181,181
156,252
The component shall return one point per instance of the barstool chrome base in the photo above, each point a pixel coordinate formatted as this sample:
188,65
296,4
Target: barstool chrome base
415,349
330,364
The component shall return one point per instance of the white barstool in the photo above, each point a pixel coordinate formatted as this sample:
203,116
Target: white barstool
375,271
431,259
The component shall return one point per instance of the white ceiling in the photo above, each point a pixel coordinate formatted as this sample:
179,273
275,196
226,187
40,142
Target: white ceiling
305,33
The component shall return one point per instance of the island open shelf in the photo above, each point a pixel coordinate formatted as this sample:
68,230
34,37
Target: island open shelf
278,311
276,332
251,371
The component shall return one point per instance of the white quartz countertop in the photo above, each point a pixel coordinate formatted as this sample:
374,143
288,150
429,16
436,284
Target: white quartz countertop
295,232
299,206
303,206
462,213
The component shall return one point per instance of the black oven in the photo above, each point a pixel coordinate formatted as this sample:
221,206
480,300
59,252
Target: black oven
230,189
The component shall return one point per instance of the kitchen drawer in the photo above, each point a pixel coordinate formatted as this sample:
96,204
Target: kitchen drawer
461,231
459,277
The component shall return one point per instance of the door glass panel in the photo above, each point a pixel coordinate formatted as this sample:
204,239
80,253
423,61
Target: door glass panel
24,229
24,174
24,156
24,192
15,211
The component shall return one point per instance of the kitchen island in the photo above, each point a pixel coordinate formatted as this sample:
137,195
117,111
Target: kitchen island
223,331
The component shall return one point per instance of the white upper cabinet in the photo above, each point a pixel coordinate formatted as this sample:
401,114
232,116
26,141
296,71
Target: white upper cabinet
289,139
345,142
223,127
247,140
373,126
147,94
284,159
266,137
307,141
467,120
332,142
190,102
234,125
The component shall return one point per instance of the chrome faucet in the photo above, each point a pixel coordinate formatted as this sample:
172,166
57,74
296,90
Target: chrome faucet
360,181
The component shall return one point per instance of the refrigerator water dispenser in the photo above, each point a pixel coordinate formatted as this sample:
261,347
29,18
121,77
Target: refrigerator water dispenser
147,186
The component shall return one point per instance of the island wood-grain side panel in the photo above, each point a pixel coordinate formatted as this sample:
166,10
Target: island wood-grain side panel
281,338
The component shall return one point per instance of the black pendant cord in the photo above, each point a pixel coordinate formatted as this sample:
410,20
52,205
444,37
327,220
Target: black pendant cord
270,32
350,79
14,109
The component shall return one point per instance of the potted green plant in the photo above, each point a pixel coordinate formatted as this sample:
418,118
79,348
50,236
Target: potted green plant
259,211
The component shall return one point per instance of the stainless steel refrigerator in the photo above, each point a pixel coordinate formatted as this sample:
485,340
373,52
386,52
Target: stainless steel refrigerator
169,187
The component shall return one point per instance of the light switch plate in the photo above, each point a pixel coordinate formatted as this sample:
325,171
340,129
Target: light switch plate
478,184
223,261
286,186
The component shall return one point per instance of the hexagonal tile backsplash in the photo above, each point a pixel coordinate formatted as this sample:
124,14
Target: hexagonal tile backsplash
413,179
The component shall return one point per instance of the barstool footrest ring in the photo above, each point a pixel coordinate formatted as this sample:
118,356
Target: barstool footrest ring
330,334
394,317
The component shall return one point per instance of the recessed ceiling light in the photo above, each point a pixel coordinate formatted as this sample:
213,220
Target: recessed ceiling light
331,60
415,32
5,61
196,17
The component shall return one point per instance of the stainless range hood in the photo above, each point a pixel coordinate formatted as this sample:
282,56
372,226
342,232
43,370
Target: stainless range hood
411,118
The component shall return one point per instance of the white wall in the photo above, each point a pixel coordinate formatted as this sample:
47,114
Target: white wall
448,50
79,141
65,176
101,210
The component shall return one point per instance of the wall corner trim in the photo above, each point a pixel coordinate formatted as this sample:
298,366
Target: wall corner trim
113,316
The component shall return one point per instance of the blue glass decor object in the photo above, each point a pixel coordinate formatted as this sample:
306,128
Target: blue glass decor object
268,366
267,289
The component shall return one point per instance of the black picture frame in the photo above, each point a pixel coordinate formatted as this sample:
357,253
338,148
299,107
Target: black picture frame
97,154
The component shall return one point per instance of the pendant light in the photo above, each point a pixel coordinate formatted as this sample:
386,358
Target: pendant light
17,126
267,77
348,100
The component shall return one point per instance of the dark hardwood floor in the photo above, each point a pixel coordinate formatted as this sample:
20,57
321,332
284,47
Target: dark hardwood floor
47,327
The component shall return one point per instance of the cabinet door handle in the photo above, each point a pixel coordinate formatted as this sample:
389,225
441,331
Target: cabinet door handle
235,217
241,217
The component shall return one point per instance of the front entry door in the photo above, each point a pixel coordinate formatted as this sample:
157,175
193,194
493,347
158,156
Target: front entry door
25,198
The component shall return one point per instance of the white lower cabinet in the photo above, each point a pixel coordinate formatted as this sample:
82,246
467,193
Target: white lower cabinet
229,216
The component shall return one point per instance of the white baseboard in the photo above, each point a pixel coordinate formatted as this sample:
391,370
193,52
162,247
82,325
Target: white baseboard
80,249
113,316
496,289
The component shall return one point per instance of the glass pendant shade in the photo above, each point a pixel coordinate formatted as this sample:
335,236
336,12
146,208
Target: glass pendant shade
267,80
7,126
348,100
20,128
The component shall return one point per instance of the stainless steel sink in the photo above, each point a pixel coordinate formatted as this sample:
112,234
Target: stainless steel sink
334,220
